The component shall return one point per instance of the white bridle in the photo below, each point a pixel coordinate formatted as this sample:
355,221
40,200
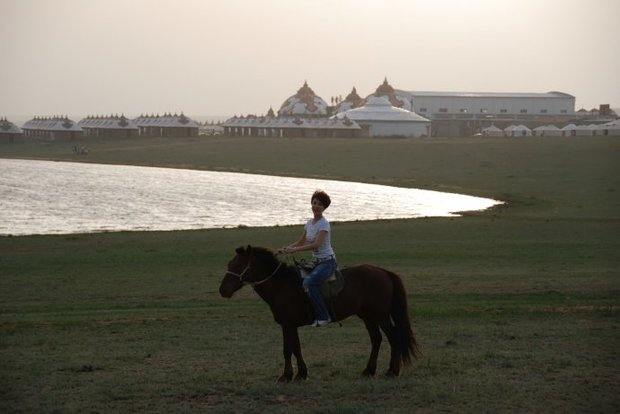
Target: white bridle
240,276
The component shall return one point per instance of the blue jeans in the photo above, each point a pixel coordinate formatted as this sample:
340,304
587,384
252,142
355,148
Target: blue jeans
312,285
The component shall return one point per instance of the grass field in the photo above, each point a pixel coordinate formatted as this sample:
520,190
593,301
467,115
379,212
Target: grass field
516,308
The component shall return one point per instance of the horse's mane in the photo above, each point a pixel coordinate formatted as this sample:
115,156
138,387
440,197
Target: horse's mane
264,254
268,257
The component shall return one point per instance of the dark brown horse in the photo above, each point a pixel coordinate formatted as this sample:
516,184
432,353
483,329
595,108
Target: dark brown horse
374,294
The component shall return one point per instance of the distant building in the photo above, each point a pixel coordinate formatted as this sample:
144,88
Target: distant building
379,118
167,125
352,100
108,126
305,104
464,113
461,113
9,132
282,127
56,128
398,99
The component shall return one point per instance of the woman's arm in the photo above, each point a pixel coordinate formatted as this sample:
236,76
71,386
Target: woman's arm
300,242
287,249
320,238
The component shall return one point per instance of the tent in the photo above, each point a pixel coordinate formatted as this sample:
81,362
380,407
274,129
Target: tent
548,131
610,128
520,131
569,130
492,131
508,130
583,131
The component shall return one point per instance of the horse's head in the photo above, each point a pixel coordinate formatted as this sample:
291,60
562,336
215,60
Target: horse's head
237,268
249,265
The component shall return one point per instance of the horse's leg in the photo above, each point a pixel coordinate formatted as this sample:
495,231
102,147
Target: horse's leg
287,350
395,359
375,341
302,370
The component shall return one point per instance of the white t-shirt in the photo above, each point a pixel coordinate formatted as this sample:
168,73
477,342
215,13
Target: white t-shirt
312,231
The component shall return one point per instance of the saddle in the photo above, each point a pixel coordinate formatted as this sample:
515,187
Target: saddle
332,285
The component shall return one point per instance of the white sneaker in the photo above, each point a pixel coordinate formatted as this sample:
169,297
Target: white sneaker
318,323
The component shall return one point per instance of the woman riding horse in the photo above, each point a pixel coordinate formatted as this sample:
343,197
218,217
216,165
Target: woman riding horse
317,237
374,294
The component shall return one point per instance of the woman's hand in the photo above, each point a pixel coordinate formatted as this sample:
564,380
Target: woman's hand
285,250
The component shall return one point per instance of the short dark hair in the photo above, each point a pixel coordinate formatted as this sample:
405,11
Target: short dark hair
322,197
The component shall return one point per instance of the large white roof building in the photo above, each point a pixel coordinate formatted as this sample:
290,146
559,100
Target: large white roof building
382,119
476,105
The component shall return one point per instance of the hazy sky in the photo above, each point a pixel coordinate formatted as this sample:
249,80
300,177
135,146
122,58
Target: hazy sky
234,57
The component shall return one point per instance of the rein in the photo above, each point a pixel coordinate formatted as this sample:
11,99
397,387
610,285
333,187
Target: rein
243,281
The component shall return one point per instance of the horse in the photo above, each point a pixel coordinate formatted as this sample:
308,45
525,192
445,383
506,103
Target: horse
375,295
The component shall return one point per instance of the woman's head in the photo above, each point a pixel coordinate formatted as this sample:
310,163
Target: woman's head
320,199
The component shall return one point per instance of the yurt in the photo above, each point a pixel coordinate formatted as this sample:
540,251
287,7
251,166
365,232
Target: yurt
492,131
569,130
353,100
508,130
305,103
595,129
54,128
379,118
520,131
547,131
610,128
9,132
583,131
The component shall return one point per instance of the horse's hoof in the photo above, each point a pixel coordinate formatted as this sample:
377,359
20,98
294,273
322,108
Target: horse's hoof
301,377
368,373
285,378
391,374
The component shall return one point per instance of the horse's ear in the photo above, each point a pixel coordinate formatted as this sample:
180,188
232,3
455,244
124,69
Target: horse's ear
240,250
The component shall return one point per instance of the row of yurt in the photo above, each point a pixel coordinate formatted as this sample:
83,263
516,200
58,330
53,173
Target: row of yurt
570,130
52,128
9,132
609,128
62,128
108,126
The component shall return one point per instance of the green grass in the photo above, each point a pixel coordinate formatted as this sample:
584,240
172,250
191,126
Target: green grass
516,308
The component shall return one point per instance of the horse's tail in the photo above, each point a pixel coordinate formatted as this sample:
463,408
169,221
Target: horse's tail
405,339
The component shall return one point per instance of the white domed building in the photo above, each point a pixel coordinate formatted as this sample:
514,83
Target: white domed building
396,97
305,103
353,100
379,118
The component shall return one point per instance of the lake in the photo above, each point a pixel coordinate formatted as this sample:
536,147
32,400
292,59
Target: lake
46,197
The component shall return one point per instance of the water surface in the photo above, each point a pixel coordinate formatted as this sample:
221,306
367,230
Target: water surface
46,197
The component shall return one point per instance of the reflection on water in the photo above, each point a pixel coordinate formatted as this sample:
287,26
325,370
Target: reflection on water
45,197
